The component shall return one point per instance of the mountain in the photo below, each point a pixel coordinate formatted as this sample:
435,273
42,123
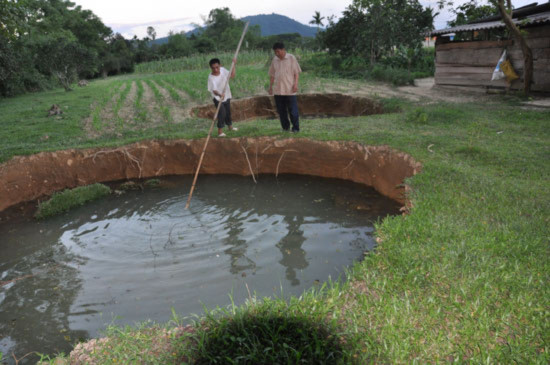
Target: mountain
270,24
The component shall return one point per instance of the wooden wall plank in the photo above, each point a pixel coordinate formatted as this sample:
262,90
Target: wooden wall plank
469,82
541,53
539,42
470,57
464,69
538,31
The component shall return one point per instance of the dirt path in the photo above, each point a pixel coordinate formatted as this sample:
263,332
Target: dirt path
423,91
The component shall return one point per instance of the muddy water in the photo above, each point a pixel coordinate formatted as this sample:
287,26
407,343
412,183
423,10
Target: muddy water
130,257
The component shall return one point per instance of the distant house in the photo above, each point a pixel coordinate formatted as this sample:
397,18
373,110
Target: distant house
466,55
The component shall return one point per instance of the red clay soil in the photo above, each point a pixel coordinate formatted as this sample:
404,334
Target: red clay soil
26,178
308,104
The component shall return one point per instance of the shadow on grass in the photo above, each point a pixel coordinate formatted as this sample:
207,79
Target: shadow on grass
268,339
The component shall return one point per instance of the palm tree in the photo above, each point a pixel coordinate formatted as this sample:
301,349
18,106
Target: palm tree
317,20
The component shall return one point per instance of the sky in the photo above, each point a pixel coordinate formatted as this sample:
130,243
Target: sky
132,17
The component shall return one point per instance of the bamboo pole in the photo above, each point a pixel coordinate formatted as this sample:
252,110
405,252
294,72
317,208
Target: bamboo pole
215,117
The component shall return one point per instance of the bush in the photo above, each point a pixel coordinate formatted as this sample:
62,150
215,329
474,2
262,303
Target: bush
421,60
395,76
400,69
70,198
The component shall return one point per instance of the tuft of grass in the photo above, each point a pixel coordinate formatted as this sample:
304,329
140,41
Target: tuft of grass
70,198
129,185
152,183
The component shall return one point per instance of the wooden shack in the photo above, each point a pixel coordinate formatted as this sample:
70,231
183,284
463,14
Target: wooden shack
466,55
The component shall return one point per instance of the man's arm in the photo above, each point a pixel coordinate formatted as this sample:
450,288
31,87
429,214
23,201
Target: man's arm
295,85
297,69
271,81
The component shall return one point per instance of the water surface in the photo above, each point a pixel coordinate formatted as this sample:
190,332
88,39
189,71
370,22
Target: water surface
131,257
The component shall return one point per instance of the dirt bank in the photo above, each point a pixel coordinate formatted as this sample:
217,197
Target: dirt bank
315,105
26,178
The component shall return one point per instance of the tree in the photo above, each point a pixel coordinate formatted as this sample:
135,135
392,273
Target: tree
178,45
506,12
61,56
470,11
120,56
12,18
60,19
151,33
45,40
223,31
317,20
372,29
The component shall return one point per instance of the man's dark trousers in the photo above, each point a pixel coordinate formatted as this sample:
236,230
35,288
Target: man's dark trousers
224,115
288,104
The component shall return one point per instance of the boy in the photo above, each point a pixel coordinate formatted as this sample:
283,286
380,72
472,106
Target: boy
216,80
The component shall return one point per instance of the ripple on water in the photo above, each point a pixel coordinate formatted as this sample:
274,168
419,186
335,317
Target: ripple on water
138,255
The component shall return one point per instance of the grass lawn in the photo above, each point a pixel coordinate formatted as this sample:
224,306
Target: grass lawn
463,277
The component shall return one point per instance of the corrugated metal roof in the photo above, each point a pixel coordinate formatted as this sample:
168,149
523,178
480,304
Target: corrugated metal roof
530,19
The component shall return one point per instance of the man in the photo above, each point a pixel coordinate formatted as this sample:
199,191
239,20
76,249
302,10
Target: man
284,73
216,81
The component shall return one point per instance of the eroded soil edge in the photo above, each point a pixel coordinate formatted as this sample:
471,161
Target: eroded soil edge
26,178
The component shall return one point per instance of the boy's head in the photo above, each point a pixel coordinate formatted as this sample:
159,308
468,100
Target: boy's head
215,66
279,49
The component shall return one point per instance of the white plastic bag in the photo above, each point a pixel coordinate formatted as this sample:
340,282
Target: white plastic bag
497,73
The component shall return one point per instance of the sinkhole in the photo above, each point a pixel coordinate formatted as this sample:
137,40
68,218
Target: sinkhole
310,105
135,255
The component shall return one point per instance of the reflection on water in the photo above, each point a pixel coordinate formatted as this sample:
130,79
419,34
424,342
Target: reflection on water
133,257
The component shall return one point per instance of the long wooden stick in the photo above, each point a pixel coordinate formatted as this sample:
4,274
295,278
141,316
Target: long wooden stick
215,117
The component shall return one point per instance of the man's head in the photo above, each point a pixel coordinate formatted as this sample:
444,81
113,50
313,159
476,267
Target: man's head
279,49
215,66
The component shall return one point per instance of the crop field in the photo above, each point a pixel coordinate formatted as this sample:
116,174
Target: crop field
123,109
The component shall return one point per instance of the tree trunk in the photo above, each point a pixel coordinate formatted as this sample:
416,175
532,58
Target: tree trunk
527,54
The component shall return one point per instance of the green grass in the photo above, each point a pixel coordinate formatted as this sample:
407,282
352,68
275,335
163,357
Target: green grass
271,333
26,129
462,278
70,198
200,61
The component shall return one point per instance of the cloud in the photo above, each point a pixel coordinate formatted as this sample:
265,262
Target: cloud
162,27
